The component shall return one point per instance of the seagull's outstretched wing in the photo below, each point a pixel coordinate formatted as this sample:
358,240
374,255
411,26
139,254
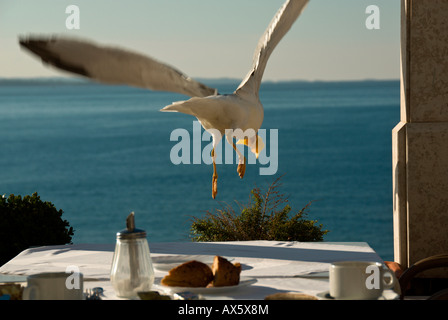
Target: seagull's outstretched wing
279,26
113,65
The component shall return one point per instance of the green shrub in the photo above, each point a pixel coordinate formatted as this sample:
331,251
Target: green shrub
267,217
27,222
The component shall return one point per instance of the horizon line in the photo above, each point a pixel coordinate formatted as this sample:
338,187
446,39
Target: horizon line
222,79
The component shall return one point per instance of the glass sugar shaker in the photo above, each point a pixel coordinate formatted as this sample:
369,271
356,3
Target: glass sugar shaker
132,270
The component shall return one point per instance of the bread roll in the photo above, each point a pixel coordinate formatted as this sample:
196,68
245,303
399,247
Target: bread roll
225,273
189,274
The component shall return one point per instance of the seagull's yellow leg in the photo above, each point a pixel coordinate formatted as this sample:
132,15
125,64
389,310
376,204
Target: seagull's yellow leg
215,176
241,166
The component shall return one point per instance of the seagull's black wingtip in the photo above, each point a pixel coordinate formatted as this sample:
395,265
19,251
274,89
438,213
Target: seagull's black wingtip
37,47
23,41
41,47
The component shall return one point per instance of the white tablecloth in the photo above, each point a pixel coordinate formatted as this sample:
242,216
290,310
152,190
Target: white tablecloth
277,266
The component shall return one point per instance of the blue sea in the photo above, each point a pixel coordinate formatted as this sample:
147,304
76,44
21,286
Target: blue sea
99,152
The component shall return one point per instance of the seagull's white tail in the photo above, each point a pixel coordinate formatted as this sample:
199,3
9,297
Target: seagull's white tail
181,106
174,107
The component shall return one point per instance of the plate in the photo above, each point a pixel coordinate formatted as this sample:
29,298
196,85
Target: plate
244,282
387,295
166,263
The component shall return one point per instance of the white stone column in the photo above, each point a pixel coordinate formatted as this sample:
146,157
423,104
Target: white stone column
420,140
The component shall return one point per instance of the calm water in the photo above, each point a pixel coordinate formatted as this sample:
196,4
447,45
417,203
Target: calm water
98,152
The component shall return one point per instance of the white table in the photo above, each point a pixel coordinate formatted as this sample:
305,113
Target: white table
277,266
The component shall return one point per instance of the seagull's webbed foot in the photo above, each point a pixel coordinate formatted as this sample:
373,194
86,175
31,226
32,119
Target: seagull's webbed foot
241,168
214,185
215,177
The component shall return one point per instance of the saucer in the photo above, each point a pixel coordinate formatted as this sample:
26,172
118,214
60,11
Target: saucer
387,295
325,296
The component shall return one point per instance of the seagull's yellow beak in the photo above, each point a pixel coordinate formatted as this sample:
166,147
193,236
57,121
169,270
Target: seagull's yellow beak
255,145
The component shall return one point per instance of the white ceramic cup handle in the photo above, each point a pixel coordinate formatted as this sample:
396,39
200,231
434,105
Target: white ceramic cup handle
391,283
30,293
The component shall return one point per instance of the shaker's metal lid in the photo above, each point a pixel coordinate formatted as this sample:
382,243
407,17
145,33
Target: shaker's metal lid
131,232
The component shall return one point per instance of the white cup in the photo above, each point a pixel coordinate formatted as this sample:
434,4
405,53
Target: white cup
54,286
359,280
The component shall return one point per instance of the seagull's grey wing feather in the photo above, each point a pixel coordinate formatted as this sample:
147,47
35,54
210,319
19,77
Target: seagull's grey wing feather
113,65
279,26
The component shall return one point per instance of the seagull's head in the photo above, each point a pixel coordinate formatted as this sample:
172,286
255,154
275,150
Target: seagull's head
255,144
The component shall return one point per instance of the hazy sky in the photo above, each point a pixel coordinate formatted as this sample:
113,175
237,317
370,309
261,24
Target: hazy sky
216,38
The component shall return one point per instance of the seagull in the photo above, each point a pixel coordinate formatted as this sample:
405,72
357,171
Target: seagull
237,116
